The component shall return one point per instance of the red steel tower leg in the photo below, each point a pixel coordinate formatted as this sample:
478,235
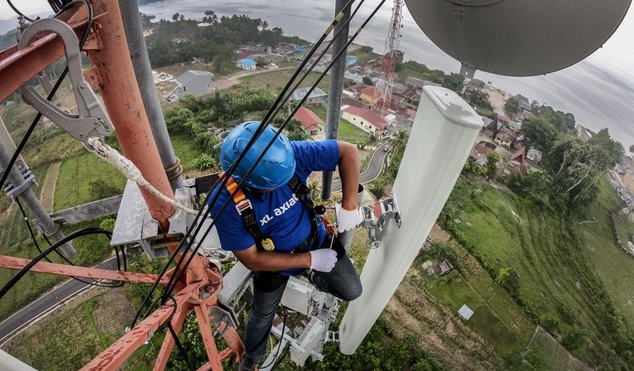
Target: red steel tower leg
122,98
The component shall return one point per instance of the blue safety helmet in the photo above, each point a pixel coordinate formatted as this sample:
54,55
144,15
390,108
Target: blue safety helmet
276,167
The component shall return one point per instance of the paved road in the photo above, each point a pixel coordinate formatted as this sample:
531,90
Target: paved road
373,169
46,303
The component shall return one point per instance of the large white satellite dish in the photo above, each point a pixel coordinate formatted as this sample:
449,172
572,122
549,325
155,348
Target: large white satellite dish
518,37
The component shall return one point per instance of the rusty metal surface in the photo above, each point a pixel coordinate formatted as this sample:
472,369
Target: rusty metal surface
75,271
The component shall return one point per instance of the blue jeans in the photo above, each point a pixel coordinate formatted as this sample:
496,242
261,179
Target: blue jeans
342,282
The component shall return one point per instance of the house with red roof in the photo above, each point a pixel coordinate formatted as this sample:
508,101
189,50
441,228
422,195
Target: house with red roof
312,123
364,119
518,162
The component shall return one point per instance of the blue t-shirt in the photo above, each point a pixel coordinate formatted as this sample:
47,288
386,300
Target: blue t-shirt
281,215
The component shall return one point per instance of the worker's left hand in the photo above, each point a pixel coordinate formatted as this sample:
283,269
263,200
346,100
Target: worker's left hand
347,219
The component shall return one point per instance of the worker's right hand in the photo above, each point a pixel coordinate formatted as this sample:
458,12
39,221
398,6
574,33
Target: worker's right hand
323,260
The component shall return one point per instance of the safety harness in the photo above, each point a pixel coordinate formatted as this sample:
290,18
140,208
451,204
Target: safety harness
245,209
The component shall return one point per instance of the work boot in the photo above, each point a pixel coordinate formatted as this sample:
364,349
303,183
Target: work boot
247,364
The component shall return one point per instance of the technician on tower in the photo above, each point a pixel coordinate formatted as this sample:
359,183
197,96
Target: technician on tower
274,230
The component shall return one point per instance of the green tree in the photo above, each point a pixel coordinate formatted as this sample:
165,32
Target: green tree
260,62
480,99
614,149
295,130
367,80
512,106
509,279
176,119
540,132
492,164
534,186
453,81
574,167
398,143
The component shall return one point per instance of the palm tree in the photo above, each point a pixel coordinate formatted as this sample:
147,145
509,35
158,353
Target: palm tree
398,143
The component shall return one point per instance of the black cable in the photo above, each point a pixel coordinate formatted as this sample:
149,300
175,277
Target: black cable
49,97
224,178
37,246
169,319
279,348
318,59
180,347
56,245
19,13
173,281
273,110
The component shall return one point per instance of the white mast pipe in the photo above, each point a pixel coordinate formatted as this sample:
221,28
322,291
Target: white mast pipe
443,134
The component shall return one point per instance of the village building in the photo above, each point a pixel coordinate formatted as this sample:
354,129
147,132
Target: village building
465,312
504,120
517,163
316,96
525,105
476,83
192,82
505,137
519,142
311,123
246,64
583,133
534,155
370,94
351,101
365,120
480,151
354,90
490,127
413,82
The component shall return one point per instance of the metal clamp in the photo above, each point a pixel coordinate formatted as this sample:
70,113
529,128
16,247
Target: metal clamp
376,228
332,336
92,120
13,192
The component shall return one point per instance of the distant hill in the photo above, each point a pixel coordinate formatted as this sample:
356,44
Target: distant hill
7,40
7,25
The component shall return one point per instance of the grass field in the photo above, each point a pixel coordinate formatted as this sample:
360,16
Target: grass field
94,323
557,260
86,178
186,151
276,80
13,229
347,131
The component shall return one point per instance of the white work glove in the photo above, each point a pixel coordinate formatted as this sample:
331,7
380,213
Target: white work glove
323,260
347,219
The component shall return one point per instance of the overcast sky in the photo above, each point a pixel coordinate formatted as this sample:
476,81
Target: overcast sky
618,51
615,58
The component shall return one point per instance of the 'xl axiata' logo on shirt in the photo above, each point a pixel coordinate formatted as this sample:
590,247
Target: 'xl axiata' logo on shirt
280,210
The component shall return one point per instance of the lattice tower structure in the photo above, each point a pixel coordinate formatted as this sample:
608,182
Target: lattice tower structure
383,91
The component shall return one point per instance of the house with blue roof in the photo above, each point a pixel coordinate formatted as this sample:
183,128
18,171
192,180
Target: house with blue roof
246,64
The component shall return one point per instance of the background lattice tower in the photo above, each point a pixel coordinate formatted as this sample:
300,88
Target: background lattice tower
383,91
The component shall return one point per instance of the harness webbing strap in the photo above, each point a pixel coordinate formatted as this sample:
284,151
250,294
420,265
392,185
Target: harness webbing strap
245,209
